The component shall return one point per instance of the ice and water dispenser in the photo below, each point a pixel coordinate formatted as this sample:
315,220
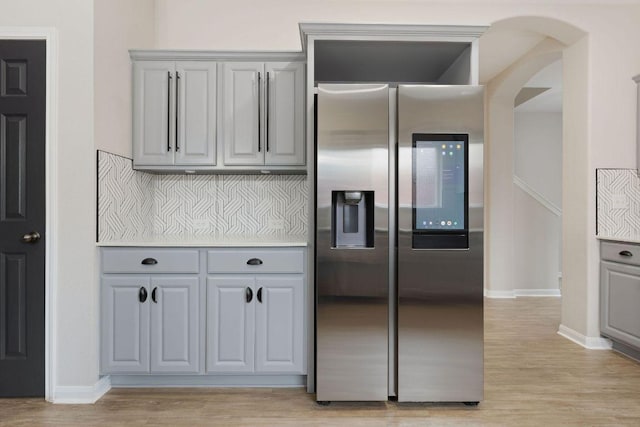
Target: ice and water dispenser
352,222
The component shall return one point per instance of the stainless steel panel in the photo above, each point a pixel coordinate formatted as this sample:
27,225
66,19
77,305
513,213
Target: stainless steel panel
440,292
352,283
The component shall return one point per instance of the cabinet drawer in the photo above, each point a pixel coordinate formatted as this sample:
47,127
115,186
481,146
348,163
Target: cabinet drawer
620,252
130,260
255,261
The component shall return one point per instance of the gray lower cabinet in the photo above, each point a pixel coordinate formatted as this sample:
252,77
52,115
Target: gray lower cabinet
255,323
150,324
620,293
158,317
125,324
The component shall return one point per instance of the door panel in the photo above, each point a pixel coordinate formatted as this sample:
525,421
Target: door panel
125,324
13,295
196,111
22,211
230,324
440,290
279,324
174,324
153,108
284,116
352,301
241,115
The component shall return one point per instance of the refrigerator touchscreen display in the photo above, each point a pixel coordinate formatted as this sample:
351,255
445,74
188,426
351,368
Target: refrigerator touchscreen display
440,183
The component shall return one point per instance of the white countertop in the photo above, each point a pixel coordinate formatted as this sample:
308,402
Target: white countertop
618,239
212,241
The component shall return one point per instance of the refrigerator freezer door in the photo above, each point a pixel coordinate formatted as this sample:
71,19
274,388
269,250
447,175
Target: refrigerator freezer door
352,279
440,289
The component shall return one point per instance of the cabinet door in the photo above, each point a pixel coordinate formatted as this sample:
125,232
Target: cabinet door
195,113
279,324
174,324
619,302
242,87
153,105
230,323
125,324
284,115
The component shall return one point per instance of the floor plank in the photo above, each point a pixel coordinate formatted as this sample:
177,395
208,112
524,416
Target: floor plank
532,377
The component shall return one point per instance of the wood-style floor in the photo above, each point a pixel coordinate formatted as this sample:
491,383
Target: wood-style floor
532,377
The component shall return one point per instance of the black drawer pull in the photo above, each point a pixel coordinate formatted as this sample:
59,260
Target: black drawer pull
625,254
260,295
153,295
142,294
149,261
248,294
254,261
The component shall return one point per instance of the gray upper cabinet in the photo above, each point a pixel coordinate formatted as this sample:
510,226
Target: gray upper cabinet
218,112
285,118
152,112
174,114
242,113
263,120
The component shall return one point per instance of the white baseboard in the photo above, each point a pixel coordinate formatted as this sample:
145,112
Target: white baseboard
82,394
537,292
498,294
591,343
522,293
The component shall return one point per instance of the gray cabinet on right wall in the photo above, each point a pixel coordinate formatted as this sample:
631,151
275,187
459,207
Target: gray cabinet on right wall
262,113
620,295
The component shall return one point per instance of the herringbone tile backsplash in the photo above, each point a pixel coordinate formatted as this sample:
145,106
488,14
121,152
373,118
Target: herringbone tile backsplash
137,205
618,203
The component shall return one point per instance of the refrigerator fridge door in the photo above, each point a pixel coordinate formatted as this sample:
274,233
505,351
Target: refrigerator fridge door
440,243
352,234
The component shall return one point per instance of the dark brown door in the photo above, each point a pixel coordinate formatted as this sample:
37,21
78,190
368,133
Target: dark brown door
22,216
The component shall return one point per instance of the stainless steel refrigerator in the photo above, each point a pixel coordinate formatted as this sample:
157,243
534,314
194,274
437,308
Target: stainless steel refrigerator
399,243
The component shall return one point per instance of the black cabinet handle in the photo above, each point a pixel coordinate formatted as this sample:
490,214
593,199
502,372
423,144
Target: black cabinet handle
267,112
177,108
625,254
149,261
153,295
142,294
259,295
254,261
248,294
259,124
168,111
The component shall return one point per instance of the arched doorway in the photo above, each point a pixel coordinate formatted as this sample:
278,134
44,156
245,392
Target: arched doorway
560,40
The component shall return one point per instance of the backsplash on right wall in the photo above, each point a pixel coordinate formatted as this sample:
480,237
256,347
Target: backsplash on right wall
618,204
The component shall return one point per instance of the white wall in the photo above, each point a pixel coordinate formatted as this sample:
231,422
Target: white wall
537,244
538,153
119,25
537,226
74,228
